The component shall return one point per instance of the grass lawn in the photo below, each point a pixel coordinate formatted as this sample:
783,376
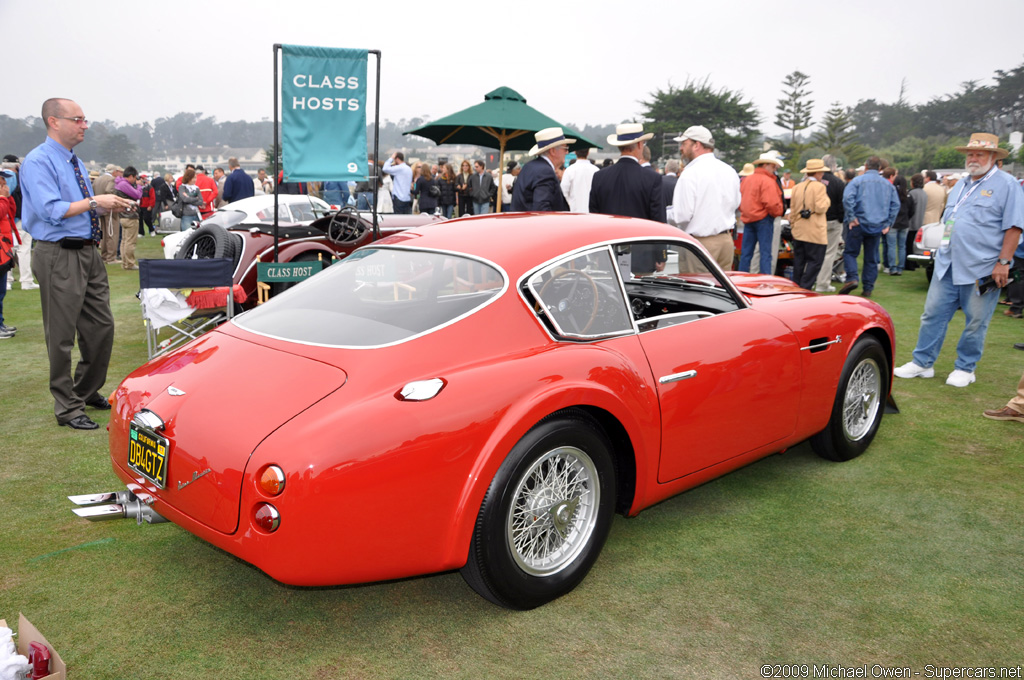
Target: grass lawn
912,554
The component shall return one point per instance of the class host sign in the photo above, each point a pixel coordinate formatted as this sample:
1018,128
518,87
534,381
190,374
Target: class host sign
323,114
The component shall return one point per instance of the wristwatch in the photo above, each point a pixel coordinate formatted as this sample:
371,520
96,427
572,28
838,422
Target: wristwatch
93,204
1005,262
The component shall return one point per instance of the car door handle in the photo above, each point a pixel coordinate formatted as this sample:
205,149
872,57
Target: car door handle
676,377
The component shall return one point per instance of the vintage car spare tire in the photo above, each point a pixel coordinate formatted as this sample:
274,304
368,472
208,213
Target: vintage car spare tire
546,514
208,242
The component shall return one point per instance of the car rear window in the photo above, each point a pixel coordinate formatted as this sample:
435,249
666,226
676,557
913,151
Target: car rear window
377,297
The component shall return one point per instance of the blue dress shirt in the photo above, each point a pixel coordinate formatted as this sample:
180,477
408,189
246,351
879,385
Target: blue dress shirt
401,177
979,226
48,188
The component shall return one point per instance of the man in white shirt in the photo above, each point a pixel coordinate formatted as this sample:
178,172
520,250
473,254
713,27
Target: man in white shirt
577,180
706,196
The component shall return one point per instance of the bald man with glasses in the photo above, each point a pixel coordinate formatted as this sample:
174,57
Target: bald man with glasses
61,213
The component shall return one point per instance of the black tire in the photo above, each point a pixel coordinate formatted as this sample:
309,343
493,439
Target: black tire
859,405
535,540
208,242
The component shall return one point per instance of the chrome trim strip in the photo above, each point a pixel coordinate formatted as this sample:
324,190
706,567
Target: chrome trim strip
676,377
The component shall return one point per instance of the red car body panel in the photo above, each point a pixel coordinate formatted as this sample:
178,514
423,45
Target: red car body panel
380,488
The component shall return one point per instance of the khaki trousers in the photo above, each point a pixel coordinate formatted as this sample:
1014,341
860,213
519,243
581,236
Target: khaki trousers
1017,403
721,248
129,237
75,300
111,233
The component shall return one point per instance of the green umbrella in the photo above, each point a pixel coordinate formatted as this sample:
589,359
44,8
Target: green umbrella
504,121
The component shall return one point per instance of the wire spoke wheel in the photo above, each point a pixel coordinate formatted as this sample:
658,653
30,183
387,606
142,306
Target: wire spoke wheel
863,399
554,511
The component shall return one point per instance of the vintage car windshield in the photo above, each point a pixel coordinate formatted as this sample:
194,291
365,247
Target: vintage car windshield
377,297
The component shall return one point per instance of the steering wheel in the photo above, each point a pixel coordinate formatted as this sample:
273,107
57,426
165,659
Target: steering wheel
346,226
575,298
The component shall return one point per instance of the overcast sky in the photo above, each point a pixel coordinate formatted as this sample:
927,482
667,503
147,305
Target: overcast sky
592,63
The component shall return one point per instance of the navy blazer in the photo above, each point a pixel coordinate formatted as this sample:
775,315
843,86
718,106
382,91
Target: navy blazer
628,189
537,189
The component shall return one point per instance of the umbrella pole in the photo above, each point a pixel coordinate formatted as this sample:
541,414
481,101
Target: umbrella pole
501,171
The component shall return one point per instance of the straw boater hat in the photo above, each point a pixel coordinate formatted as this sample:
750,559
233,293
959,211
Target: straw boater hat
983,141
768,157
629,133
814,165
549,138
748,169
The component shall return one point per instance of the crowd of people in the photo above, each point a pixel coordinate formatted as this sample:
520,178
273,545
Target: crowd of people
74,225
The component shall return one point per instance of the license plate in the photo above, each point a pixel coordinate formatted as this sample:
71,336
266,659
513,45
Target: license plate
147,454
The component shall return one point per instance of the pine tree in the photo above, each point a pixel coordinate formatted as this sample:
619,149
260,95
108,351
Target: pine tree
794,108
837,135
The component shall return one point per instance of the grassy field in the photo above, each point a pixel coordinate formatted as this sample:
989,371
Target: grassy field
912,554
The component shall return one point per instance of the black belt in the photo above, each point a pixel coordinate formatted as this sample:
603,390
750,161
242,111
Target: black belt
69,242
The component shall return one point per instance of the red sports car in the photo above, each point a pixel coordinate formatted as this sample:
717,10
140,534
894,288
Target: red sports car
483,394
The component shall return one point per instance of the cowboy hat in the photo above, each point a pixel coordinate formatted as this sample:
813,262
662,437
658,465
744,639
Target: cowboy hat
769,157
629,133
983,141
748,169
814,165
549,138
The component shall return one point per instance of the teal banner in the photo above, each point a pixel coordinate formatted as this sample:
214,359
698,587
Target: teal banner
323,114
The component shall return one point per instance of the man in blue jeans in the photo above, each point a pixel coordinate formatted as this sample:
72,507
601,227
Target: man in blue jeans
983,220
871,205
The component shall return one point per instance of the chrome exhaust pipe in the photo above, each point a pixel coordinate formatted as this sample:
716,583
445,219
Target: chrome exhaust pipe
99,507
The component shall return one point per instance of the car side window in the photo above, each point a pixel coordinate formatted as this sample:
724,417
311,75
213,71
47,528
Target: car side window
581,297
672,283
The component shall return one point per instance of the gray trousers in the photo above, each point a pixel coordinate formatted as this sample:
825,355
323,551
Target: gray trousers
835,235
75,297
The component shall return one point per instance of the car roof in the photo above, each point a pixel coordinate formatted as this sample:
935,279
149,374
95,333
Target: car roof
520,241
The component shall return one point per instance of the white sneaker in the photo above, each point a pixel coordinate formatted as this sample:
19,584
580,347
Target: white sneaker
29,286
912,370
960,378
825,289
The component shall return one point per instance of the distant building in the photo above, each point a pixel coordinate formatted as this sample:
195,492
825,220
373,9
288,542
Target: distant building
251,159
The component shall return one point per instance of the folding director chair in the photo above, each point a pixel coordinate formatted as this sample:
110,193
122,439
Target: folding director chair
166,309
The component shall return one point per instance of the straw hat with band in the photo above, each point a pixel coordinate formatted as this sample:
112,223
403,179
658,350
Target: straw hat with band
549,138
629,133
983,141
814,165
768,157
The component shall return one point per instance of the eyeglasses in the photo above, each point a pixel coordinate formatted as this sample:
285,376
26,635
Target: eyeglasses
77,120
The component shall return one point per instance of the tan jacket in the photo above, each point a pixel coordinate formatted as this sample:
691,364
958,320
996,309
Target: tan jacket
810,194
936,202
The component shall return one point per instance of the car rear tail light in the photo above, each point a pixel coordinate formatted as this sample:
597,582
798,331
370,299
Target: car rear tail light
267,517
272,480
919,238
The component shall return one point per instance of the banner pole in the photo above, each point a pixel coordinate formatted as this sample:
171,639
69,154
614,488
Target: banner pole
276,151
376,148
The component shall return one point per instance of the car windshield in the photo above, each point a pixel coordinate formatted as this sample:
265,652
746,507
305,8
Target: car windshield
377,297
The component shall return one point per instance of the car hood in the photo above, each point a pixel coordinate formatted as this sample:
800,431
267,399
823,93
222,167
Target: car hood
218,399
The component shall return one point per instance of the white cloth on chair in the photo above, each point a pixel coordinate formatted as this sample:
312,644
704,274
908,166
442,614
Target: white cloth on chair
163,307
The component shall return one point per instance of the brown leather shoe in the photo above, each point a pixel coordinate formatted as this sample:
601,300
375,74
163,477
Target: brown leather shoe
848,286
1005,413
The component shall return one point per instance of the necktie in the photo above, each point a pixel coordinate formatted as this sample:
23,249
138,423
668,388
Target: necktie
96,233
